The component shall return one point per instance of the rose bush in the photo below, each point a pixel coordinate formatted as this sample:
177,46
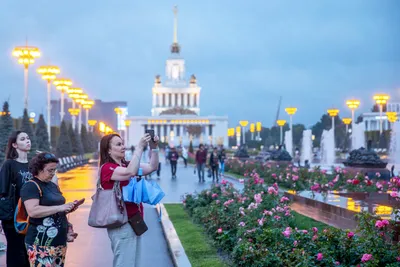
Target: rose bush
256,228
290,177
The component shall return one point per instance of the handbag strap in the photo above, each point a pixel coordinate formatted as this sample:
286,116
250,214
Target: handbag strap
98,184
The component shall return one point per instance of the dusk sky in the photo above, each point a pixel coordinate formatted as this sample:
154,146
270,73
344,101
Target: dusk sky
245,54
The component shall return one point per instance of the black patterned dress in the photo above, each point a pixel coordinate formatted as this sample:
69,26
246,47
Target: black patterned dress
46,239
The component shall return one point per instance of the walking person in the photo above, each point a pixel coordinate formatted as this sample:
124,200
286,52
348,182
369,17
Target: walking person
222,158
48,229
167,150
201,158
114,168
214,164
13,175
173,160
184,155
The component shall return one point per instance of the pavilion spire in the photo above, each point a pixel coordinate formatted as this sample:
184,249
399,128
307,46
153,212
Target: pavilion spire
175,48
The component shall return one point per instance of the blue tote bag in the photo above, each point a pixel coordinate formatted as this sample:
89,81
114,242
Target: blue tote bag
142,191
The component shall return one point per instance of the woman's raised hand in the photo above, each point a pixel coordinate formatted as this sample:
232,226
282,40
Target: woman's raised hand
154,144
144,141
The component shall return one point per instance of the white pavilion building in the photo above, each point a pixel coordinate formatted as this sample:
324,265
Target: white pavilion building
175,114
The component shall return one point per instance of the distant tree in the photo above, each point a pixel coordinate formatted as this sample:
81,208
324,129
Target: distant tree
26,126
6,128
359,119
87,148
64,148
76,144
42,137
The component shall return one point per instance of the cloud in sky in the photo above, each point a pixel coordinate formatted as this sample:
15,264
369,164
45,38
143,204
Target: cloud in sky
315,54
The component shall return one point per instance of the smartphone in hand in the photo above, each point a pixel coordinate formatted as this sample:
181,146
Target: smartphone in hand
151,133
79,202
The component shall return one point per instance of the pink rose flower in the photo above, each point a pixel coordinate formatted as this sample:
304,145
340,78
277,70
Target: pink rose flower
350,234
217,201
258,198
295,243
219,231
337,263
366,257
287,232
315,230
320,256
242,224
214,195
394,194
283,199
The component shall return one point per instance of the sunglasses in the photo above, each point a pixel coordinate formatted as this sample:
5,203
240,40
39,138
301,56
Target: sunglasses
49,156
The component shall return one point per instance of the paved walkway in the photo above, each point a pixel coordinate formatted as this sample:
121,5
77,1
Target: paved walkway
92,247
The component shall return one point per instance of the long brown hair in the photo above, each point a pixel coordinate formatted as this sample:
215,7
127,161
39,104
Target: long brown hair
105,147
11,152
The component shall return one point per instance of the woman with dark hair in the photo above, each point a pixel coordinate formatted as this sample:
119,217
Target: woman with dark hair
46,238
114,168
13,174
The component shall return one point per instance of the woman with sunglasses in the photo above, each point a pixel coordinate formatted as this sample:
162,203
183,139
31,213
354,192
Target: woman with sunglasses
47,235
13,174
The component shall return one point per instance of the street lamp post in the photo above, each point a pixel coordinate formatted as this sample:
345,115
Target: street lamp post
238,130
62,85
87,104
291,111
244,124
347,121
252,130
26,56
281,123
333,113
258,129
118,111
353,104
80,99
127,125
74,94
74,112
380,100
92,123
49,74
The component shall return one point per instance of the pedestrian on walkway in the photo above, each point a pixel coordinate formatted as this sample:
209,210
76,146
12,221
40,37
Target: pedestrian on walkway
214,164
201,158
48,229
184,155
167,150
173,160
13,174
113,168
222,158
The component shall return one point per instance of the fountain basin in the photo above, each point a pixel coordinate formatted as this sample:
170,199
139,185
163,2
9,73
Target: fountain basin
338,209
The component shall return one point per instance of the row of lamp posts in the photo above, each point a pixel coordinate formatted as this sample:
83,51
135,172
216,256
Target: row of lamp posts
26,56
353,104
241,138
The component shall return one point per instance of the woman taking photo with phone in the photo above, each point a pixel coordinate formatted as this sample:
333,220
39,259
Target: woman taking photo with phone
13,174
47,233
114,168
